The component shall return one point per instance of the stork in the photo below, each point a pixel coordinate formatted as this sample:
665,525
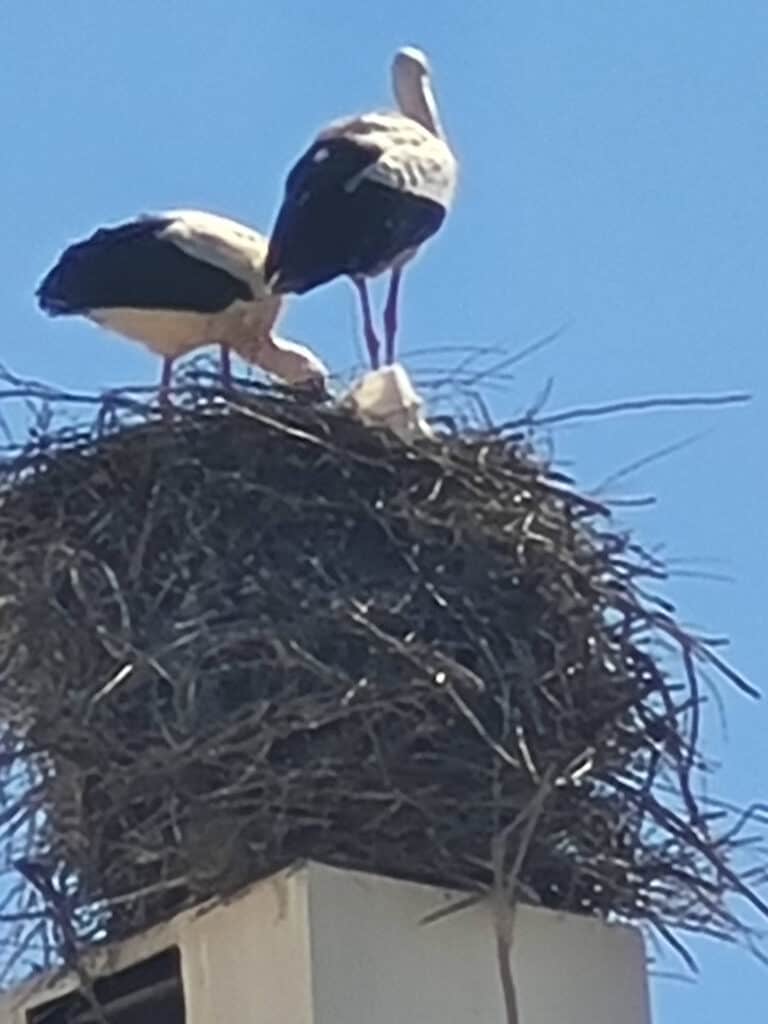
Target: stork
178,281
364,197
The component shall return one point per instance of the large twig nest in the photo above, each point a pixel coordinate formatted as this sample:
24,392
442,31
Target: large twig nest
264,631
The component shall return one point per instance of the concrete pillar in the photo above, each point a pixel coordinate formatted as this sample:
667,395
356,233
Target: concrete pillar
323,946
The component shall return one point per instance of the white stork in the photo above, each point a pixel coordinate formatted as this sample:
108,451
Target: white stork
177,281
365,196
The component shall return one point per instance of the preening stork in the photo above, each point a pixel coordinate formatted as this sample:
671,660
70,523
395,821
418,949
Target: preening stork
368,192
178,281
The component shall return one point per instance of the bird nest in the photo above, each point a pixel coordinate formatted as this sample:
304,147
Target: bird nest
260,631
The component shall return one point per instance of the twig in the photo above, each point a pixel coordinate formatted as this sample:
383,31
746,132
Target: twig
40,878
505,889
586,412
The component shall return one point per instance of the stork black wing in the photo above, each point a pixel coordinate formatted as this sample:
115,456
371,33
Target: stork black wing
332,222
130,266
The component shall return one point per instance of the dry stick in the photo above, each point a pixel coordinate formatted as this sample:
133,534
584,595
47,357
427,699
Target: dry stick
521,354
586,412
504,891
646,460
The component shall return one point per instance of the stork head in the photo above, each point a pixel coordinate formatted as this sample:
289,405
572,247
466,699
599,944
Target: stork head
410,60
295,364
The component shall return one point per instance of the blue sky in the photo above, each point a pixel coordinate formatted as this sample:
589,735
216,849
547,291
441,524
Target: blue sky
614,168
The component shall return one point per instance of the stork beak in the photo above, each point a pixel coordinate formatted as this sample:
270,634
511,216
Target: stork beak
271,274
277,285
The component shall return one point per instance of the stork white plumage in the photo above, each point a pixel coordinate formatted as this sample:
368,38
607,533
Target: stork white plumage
177,281
365,196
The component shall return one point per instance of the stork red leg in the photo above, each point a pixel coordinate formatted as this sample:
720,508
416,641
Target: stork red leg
226,367
371,338
390,315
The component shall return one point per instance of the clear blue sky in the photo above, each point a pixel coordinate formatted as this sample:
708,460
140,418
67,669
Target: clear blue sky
615,165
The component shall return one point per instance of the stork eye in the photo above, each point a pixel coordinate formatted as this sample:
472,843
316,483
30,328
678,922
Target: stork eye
321,154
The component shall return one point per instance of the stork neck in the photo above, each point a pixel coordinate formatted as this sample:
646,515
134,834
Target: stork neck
270,352
417,101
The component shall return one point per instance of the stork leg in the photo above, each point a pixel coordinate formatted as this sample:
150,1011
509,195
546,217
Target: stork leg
226,367
390,315
371,338
166,378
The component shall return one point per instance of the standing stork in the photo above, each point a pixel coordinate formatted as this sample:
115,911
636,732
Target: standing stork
177,281
368,192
